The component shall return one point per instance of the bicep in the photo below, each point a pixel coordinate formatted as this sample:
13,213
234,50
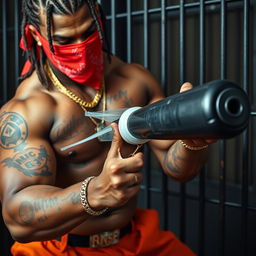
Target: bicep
34,164
26,158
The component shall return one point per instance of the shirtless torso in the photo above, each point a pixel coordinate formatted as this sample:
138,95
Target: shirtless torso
58,121
40,184
125,87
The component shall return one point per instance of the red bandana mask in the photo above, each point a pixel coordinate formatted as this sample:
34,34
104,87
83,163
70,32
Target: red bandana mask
82,62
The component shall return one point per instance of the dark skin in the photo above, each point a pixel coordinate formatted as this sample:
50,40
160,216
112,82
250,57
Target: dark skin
40,184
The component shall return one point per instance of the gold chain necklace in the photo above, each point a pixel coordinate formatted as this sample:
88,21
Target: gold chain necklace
83,104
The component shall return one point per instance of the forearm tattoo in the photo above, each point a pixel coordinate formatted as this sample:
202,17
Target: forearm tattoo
38,210
172,162
74,197
26,212
29,211
31,161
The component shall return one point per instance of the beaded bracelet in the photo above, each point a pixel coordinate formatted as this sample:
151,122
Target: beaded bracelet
84,201
193,148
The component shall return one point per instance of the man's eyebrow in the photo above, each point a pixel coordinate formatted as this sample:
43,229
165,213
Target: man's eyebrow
56,36
61,37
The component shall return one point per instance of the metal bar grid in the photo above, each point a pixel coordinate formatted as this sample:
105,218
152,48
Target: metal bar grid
129,31
5,32
145,32
182,42
180,9
201,215
113,26
164,11
147,167
222,144
173,8
4,51
16,41
164,84
197,198
245,163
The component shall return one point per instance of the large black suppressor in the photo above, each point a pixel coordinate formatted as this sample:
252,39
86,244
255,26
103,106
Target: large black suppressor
218,109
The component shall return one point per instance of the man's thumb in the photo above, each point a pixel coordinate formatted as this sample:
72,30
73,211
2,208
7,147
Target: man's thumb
116,141
186,86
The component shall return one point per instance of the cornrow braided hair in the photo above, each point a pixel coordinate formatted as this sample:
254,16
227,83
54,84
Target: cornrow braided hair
32,10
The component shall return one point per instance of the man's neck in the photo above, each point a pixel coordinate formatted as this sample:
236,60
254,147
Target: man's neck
66,81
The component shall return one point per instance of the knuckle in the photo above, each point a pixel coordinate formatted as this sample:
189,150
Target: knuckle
116,182
114,168
140,155
121,196
140,162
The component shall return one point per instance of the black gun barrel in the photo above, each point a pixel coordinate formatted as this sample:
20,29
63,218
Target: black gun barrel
216,110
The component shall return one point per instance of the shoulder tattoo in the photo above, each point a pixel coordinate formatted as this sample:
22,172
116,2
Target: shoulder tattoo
13,130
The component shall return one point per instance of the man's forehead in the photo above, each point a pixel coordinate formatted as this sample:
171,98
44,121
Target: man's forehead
63,21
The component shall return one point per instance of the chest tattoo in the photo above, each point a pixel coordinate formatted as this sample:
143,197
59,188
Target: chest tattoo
70,130
122,95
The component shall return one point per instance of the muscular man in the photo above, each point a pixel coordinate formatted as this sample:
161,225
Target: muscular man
81,201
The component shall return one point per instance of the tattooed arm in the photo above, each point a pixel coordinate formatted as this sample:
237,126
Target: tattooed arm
33,209
177,161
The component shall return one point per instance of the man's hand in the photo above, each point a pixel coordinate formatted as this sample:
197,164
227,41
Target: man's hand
119,180
197,142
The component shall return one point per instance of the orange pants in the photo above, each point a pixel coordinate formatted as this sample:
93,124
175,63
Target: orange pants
146,239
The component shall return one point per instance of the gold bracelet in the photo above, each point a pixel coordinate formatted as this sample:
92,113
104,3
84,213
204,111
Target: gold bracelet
193,148
83,196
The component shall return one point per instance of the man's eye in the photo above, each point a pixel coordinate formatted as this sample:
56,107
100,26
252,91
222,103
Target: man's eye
89,32
62,42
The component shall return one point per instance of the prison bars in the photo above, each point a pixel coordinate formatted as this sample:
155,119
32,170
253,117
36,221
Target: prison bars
182,7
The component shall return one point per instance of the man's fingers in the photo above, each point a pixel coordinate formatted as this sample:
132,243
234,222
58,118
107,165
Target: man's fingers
126,164
131,164
186,86
134,179
128,180
133,190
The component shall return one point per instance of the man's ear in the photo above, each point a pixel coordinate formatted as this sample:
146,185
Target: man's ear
35,36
